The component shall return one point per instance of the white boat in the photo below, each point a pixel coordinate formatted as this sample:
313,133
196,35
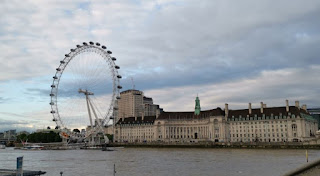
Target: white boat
2,146
33,147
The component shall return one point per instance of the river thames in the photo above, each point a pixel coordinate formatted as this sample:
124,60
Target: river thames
162,161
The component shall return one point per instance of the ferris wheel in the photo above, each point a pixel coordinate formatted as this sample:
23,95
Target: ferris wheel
84,91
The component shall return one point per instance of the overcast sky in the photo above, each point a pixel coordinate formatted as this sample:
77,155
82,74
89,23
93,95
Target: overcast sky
231,52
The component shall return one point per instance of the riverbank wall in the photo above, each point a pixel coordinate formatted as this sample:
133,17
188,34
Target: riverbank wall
296,145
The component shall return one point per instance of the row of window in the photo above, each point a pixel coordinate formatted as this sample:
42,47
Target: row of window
261,140
260,130
260,135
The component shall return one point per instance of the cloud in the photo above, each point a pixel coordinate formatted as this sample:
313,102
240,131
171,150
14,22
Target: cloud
3,100
225,51
270,87
19,125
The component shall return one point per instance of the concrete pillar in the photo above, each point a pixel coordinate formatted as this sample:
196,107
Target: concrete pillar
157,113
297,104
261,107
250,108
287,105
304,107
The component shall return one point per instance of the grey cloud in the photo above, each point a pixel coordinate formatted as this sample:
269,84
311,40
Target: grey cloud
271,87
4,100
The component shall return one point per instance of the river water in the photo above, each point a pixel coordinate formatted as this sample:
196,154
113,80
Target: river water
162,162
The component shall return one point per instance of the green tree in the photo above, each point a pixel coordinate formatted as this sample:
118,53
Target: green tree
21,137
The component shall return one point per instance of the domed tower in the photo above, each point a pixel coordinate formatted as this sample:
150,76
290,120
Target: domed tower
197,108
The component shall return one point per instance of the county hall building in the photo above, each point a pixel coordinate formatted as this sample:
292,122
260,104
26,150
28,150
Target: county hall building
137,124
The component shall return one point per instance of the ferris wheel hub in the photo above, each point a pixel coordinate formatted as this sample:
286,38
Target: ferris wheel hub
86,92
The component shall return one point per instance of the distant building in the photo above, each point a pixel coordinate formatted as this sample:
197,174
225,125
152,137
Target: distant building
130,103
83,131
10,134
315,113
274,124
133,103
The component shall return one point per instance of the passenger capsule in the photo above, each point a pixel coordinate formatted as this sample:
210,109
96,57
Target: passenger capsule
104,47
62,62
78,46
51,103
111,118
118,97
119,87
119,76
55,77
109,52
54,119
117,67
67,55
84,43
53,86
91,43
115,108
58,69
52,112
52,95
113,58
98,44
72,50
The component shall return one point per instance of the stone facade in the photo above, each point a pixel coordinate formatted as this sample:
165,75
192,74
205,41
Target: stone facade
274,124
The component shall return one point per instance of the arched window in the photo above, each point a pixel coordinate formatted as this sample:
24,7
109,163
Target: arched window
294,127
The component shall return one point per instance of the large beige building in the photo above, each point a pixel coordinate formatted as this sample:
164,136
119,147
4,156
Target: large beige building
264,124
130,103
133,103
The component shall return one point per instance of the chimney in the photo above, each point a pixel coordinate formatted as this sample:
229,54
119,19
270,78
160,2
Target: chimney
226,110
297,104
143,111
261,108
287,105
157,113
304,107
250,109
264,105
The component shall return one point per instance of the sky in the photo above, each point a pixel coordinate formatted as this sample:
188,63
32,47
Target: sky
224,51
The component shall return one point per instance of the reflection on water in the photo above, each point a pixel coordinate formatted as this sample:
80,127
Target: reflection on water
163,162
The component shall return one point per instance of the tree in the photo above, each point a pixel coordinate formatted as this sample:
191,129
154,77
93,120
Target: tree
22,137
110,137
42,137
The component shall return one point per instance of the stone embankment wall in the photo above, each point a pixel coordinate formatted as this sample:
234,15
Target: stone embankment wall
291,145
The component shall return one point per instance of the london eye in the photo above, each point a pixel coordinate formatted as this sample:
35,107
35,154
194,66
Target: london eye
84,91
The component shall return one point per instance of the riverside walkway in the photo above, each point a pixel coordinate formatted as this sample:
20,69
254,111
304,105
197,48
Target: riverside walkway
311,169
10,172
